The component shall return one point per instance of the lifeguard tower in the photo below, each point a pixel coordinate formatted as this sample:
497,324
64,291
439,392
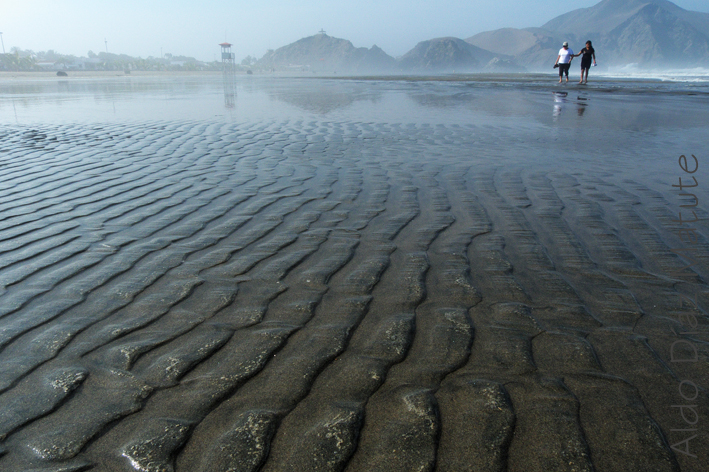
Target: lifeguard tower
229,74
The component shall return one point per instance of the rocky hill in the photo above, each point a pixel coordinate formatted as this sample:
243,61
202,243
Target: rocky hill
452,55
531,48
324,54
650,33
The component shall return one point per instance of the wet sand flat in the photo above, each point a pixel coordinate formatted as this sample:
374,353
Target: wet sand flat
340,291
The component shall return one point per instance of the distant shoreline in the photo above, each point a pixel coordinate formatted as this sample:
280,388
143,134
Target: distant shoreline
679,76
98,74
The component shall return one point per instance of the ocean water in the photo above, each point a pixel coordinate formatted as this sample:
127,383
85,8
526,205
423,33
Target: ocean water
697,75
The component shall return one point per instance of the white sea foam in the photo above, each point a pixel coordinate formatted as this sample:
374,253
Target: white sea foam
634,71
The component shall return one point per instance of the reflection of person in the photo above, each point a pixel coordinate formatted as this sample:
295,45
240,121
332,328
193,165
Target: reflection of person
588,52
559,100
564,60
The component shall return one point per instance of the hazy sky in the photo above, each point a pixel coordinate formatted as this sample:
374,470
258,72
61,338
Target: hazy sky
194,28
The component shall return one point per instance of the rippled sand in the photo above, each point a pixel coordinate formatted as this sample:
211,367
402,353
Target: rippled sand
338,296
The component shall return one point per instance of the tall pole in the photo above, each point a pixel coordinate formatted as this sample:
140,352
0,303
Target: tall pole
104,40
3,43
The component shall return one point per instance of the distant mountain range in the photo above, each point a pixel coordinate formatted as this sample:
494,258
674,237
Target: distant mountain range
649,33
324,54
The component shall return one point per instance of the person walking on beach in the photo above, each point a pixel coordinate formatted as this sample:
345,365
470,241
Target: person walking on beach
564,59
588,52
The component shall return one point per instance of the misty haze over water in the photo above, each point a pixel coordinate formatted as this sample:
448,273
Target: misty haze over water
446,98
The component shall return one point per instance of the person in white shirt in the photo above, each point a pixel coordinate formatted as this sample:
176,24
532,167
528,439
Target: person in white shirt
563,60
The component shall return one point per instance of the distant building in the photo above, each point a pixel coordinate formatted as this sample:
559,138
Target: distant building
84,64
48,65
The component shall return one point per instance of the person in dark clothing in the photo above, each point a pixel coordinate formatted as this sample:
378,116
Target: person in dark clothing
588,53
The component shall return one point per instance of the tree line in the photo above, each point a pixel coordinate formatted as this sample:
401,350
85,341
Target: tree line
27,60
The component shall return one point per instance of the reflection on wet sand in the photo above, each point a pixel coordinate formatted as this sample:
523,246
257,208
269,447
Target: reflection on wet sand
562,98
478,99
326,96
559,100
229,93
